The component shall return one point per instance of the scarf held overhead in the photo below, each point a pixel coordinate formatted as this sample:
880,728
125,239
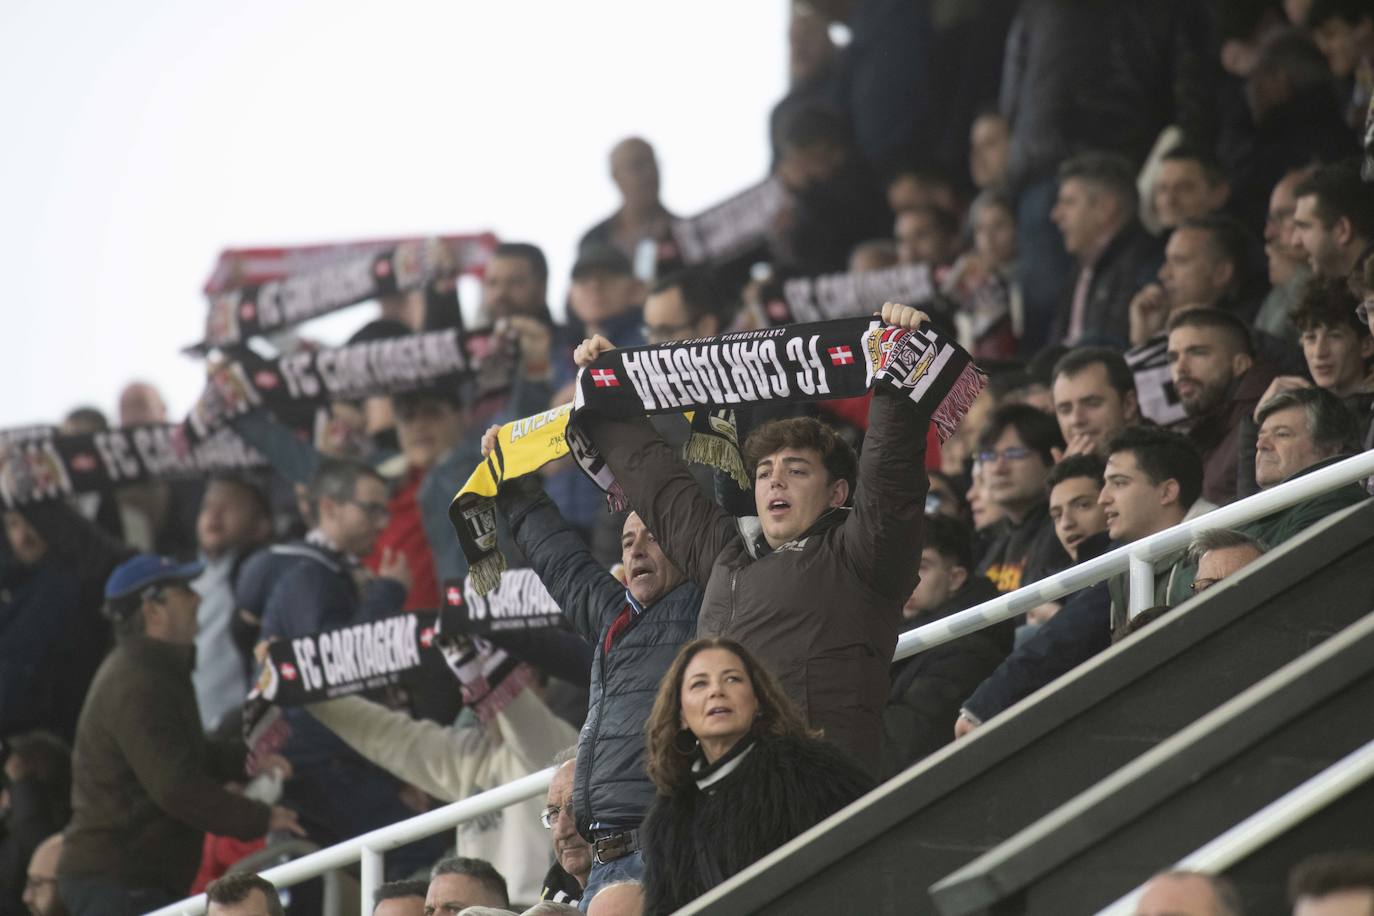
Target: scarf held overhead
708,378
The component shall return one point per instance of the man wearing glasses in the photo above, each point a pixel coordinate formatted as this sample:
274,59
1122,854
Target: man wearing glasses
1016,451
323,586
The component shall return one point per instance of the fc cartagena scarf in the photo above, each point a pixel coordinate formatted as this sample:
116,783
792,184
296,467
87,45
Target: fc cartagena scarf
848,294
709,378
476,364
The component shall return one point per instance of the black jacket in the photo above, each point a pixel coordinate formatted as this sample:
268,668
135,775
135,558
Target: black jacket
755,798
1101,74
1130,261
928,687
611,789
1021,554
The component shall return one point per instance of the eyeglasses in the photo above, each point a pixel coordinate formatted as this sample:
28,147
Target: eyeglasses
549,816
1201,585
378,512
1015,453
1362,310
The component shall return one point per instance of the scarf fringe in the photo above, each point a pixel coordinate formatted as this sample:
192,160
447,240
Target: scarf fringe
952,408
502,694
486,572
716,452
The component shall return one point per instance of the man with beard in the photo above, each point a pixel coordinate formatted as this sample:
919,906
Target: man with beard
1213,368
1287,262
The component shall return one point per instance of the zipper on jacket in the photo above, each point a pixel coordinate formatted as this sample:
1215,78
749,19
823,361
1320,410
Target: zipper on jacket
734,574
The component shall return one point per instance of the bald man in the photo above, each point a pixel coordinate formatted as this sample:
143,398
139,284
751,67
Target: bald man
642,228
40,892
1188,893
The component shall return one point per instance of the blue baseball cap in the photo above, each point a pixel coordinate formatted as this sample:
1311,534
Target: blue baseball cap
147,569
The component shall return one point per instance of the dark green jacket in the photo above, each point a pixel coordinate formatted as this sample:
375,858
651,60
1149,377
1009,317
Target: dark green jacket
1273,530
146,785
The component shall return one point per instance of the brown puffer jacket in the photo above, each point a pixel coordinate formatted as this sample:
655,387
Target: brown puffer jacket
146,785
822,611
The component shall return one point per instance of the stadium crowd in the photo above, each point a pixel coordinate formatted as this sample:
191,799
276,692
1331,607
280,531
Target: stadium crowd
1146,221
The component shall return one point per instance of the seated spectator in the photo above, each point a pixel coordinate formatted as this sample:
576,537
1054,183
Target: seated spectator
636,629
235,519
1096,212
835,201
926,235
1152,482
63,563
1344,30
1206,263
1080,522
572,854
1094,395
1362,284
146,785
1337,345
826,606
738,772
1332,884
1188,893
453,762
1213,368
811,65
400,898
919,188
39,883
458,882
515,281
928,686
40,604
605,296
243,894
944,498
983,281
1016,451
874,254
1301,431
1287,261
1297,120
1083,627
338,793
623,898
1190,185
989,146
35,804
1333,219
642,229
1221,552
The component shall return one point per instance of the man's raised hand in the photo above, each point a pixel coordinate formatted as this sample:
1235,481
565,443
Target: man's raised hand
903,316
588,350
489,439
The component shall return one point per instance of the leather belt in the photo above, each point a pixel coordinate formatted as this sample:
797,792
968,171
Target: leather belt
612,846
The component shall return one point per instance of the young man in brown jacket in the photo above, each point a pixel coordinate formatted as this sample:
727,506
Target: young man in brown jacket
146,785
815,588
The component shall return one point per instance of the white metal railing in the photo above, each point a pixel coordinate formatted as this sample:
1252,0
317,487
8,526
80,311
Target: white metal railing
1271,821
369,847
1136,557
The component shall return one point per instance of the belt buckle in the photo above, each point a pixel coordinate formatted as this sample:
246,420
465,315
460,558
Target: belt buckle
613,846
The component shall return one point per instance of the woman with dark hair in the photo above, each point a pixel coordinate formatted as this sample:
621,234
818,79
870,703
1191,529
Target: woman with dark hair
737,770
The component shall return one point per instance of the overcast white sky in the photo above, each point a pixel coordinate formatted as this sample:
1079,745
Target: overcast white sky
141,137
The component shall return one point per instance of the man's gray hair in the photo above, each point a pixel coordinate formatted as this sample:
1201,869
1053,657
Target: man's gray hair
479,870
1222,539
1227,897
551,908
563,756
1330,423
338,479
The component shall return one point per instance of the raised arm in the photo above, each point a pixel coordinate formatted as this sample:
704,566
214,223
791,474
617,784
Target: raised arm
691,528
588,594
882,539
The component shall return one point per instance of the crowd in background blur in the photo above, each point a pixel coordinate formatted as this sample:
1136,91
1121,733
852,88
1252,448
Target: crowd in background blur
1152,224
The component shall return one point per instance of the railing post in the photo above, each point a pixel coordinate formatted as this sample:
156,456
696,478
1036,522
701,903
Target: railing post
1142,590
371,861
